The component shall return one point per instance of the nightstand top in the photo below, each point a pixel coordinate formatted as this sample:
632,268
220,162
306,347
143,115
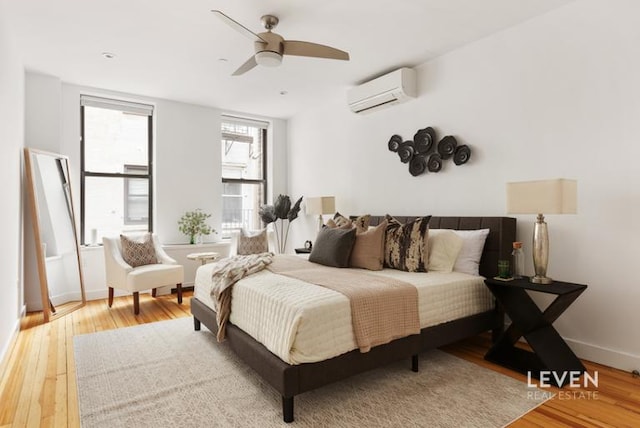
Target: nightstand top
556,287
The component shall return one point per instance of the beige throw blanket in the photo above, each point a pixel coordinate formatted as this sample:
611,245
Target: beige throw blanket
382,309
226,273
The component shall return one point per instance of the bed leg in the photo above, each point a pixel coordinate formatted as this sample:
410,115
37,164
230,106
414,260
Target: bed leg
287,409
415,366
196,324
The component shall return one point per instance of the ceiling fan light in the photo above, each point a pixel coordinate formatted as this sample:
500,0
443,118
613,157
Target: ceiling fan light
268,58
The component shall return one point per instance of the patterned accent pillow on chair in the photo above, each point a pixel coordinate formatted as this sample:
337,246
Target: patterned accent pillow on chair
406,245
138,251
252,243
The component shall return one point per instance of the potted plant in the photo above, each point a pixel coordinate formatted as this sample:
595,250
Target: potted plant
193,224
277,213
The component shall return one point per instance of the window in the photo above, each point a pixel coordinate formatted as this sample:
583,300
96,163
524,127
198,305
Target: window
243,173
116,169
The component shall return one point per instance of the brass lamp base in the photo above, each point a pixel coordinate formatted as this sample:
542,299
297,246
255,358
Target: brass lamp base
540,252
541,280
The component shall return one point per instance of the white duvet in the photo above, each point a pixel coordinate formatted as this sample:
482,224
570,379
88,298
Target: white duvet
303,323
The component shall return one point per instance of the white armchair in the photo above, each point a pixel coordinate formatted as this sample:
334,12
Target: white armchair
135,279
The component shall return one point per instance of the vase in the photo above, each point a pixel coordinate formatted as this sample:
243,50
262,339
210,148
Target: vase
192,239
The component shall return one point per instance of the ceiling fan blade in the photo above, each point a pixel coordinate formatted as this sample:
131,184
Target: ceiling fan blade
294,47
251,62
237,26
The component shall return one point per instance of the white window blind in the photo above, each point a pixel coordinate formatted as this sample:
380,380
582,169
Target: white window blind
124,106
234,120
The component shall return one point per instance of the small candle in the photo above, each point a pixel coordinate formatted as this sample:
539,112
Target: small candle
94,236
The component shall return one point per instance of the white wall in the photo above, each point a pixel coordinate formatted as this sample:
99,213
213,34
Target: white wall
557,96
11,143
186,161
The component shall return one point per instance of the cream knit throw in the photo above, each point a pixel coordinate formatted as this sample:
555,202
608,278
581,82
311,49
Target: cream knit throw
226,273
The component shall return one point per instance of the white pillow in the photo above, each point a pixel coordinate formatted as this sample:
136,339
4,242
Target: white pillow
444,247
469,258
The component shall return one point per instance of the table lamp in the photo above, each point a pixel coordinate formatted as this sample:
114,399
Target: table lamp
557,196
319,206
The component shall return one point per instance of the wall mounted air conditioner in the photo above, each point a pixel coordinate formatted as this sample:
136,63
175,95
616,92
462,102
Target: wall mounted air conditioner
392,88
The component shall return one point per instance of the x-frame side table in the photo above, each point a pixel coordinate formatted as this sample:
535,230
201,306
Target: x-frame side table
550,351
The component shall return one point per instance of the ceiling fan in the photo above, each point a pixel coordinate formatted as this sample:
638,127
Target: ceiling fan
270,47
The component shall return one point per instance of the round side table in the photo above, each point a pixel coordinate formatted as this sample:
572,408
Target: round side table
204,258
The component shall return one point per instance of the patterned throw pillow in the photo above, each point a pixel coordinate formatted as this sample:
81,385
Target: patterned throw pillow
331,224
361,222
252,243
406,245
139,250
341,221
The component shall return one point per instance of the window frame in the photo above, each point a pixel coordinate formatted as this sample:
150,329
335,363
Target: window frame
84,174
263,181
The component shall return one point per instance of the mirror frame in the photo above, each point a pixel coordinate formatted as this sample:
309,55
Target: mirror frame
41,256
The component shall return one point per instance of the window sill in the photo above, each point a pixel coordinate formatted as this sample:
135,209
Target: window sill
196,246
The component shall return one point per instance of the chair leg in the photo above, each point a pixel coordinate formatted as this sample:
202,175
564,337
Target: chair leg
179,287
136,303
153,292
110,296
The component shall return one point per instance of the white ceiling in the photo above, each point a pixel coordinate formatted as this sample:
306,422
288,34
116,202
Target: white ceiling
171,48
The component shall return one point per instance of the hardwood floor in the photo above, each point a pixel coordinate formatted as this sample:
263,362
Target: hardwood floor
38,385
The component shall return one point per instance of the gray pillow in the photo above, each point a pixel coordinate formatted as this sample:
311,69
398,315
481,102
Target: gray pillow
333,247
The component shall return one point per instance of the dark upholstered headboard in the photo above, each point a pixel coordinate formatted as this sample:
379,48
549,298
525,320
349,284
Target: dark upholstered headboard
498,245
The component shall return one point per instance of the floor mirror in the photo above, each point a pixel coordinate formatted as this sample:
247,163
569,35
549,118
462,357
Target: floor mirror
55,232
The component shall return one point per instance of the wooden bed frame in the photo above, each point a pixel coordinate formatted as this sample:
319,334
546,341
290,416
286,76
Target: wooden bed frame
291,380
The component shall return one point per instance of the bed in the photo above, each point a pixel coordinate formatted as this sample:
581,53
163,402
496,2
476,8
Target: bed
304,370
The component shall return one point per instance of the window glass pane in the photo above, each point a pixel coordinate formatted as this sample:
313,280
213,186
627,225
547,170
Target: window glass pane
106,208
114,139
242,152
240,205
136,202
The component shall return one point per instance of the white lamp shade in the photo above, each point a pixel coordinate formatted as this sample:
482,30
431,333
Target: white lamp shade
557,196
321,205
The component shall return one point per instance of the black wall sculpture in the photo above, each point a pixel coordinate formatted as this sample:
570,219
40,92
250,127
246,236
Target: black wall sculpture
423,154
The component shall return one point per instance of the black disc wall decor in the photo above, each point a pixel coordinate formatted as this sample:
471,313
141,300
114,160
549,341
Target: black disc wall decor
447,146
434,164
462,155
423,154
423,140
406,151
418,165
394,142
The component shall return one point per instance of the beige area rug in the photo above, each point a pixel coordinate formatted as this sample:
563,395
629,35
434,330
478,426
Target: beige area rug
165,374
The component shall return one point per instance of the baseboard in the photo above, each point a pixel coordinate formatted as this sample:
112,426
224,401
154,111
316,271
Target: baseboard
5,353
103,294
598,354
605,356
